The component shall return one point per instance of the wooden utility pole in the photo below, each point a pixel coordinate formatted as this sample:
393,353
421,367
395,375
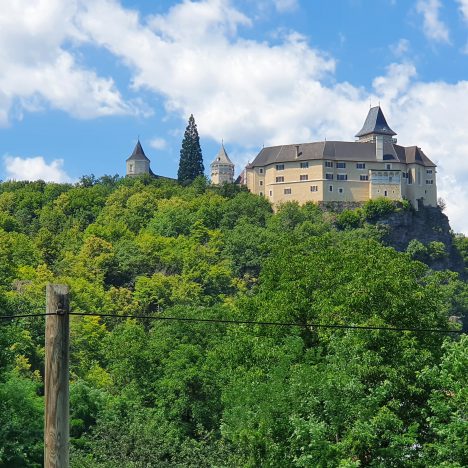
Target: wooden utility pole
56,418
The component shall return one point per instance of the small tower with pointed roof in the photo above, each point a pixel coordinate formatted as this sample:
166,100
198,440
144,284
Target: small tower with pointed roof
138,163
222,168
374,126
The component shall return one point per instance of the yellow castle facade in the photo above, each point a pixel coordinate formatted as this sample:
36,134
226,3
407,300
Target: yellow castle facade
373,166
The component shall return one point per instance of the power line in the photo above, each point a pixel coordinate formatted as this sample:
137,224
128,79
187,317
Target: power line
249,322
13,317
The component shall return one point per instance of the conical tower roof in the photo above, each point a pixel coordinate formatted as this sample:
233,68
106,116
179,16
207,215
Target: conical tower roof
375,123
138,153
222,157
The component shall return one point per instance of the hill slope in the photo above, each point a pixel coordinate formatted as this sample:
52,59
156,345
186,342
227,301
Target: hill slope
150,393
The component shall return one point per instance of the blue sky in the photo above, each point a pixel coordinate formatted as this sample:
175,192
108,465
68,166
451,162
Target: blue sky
80,80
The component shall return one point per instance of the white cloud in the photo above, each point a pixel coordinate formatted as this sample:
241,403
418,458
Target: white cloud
464,8
158,143
434,28
36,168
37,71
395,82
234,86
400,48
286,5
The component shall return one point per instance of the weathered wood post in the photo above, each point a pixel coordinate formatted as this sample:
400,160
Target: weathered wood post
56,417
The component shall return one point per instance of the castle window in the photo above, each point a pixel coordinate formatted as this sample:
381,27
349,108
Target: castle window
363,177
342,177
330,188
261,182
340,165
271,193
385,193
328,163
429,182
303,177
261,193
260,170
130,167
304,165
280,167
287,191
280,179
428,171
328,176
314,188
340,190
388,166
360,165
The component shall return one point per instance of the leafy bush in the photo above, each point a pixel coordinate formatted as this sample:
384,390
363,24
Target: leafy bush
417,250
377,208
437,250
350,219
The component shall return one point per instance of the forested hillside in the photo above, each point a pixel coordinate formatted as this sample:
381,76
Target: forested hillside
149,393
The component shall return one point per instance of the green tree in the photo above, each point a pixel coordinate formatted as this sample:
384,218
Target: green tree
191,158
448,406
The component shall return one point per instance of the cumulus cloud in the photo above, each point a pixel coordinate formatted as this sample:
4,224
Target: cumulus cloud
241,89
464,8
36,168
434,28
37,70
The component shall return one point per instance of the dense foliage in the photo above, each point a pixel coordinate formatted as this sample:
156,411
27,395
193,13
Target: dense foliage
200,394
191,158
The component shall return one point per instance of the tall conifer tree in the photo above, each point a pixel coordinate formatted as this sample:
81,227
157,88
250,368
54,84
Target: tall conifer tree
191,158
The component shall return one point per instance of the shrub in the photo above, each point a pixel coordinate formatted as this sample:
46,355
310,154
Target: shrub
417,250
349,219
437,250
375,209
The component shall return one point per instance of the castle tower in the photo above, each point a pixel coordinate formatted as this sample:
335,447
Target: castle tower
222,168
376,126
138,163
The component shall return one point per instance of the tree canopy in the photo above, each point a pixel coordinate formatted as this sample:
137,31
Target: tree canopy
202,394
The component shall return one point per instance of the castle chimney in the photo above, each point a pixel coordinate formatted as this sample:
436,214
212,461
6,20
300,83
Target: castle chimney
298,153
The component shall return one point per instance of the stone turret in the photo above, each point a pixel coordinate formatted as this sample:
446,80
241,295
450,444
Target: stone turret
222,168
138,163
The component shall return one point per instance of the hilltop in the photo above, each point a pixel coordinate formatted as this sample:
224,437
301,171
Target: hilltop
149,393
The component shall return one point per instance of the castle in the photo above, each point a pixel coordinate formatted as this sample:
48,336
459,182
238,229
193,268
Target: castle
373,166
329,171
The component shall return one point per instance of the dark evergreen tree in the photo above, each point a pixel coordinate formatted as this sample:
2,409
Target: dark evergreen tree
191,158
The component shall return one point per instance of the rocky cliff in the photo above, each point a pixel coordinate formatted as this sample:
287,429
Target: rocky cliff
428,226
